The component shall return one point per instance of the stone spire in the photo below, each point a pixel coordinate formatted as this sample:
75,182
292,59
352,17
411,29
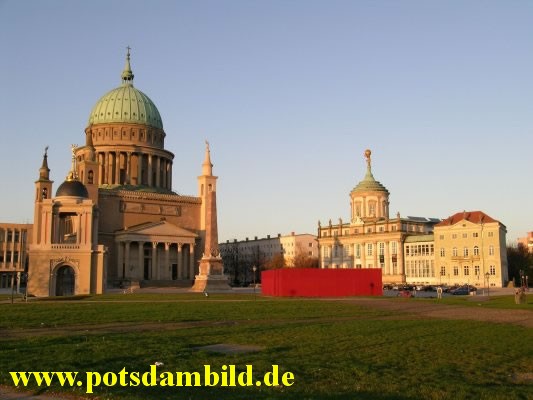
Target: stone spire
207,166
44,171
127,74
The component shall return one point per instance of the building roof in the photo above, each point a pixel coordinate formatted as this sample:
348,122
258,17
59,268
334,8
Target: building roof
369,183
126,104
72,188
476,217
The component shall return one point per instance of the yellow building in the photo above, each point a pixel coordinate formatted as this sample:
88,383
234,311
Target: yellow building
470,248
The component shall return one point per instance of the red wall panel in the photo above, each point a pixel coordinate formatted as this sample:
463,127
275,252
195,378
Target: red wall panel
311,282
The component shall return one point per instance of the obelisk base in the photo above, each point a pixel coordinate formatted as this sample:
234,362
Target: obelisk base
211,278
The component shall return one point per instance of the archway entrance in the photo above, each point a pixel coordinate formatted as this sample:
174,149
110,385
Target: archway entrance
65,281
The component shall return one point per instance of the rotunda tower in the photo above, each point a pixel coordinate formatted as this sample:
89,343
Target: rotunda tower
369,199
125,141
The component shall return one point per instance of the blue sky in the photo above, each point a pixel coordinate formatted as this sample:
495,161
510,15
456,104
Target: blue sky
289,94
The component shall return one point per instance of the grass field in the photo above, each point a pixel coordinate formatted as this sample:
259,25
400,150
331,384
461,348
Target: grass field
336,349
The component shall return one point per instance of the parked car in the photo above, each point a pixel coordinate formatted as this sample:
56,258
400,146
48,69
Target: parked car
463,290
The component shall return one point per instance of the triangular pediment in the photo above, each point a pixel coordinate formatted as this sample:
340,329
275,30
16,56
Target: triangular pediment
157,229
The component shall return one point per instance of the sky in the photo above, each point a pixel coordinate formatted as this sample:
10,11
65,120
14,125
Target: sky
289,94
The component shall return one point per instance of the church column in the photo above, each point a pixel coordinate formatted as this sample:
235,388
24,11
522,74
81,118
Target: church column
120,260
139,168
100,168
79,230
164,174
167,257
141,259
149,170
180,261
128,168
158,173
127,256
363,255
105,178
154,261
117,168
191,261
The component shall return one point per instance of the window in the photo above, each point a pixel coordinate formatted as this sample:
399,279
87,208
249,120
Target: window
466,270
454,236
491,234
372,208
491,250
456,270
441,237
454,252
358,250
465,252
381,249
475,234
476,270
407,250
394,248
9,236
492,270
464,235
369,249
476,251
442,252
442,271
17,236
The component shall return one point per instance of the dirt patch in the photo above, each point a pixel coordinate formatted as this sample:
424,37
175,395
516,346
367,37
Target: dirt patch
443,311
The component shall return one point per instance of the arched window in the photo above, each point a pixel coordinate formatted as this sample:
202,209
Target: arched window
90,177
476,250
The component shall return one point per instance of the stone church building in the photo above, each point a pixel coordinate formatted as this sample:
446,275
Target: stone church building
115,220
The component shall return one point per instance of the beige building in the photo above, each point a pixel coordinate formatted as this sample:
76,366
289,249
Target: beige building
470,248
463,249
14,246
241,256
116,221
370,239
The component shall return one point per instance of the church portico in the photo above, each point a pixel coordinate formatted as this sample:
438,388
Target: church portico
157,251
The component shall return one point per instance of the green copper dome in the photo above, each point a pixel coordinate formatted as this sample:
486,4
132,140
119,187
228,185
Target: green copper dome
126,104
369,183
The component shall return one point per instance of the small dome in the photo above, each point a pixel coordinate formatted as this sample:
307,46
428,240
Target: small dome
72,188
369,183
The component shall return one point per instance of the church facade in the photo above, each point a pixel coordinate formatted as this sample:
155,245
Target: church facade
115,221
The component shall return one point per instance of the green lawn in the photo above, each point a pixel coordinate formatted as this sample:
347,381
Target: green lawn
336,350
